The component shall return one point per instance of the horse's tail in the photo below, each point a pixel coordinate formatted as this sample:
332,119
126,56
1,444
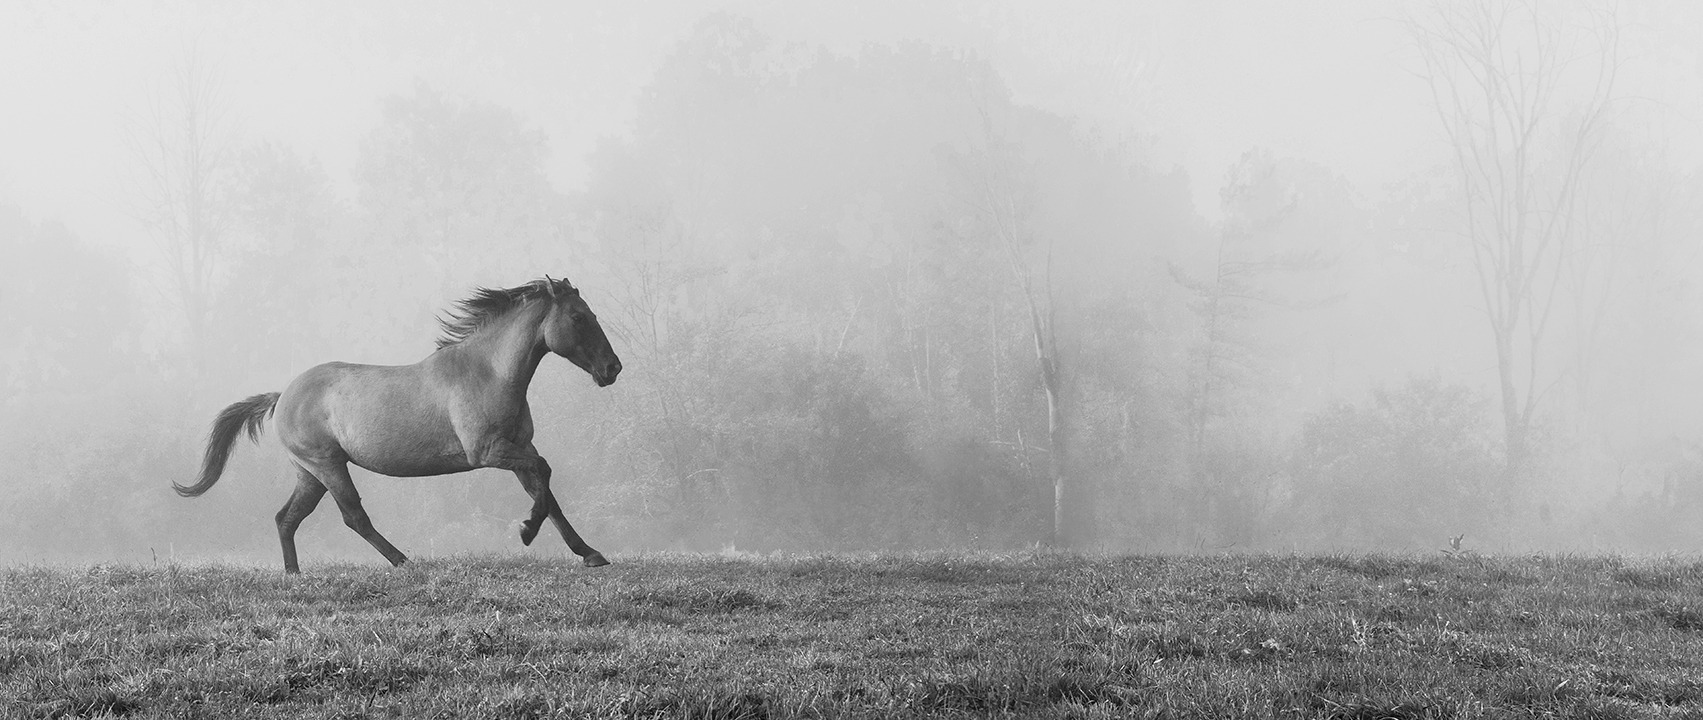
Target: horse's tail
247,415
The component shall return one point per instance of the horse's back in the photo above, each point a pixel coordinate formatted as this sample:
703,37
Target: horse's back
332,384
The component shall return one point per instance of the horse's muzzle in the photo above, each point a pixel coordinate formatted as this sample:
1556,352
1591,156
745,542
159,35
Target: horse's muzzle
606,376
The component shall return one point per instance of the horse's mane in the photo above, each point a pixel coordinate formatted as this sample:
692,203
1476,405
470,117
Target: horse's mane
487,304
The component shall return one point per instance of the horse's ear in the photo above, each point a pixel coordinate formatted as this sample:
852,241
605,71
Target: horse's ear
550,286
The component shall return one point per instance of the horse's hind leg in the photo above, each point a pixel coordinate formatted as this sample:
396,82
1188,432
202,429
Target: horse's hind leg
536,480
297,508
335,478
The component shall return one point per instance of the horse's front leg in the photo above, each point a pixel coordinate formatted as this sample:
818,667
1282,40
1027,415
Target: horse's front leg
534,475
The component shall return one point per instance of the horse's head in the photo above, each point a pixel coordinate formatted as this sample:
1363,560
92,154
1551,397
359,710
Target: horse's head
571,331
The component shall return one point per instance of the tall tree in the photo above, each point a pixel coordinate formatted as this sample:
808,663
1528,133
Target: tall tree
1269,267
290,256
1001,192
451,193
66,310
850,222
1255,202
180,140
1500,74
458,186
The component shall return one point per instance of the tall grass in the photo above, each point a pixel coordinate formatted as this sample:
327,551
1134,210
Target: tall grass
1033,635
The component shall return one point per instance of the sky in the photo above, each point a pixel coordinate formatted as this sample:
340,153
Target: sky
1325,80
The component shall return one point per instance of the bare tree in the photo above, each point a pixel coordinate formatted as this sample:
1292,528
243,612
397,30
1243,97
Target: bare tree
1003,200
180,140
1499,72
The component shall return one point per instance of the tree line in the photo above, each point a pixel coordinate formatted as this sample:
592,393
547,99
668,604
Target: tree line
874,302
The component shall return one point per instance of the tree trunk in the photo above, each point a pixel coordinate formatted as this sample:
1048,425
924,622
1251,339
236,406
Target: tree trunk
1064,530
1514,425
1065,527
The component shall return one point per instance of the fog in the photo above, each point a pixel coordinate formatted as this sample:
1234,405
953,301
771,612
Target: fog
1133,277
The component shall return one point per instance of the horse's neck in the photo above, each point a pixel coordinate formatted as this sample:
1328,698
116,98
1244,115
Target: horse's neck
512,347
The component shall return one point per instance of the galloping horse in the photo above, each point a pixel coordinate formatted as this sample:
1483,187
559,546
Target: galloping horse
463,407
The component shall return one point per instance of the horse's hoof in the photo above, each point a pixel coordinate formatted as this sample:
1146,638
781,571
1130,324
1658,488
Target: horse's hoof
595,560
527,533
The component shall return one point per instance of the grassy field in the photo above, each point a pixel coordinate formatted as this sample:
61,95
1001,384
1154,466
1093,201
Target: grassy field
1029,635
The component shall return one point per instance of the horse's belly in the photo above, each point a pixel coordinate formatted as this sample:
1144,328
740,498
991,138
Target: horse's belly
410,465
404,446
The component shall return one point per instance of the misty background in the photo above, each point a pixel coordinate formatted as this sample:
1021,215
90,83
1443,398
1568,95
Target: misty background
1154,277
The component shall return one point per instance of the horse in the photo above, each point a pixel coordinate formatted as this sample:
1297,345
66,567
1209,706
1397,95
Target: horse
462,407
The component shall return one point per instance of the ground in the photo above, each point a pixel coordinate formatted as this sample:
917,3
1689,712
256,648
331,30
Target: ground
1031,635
